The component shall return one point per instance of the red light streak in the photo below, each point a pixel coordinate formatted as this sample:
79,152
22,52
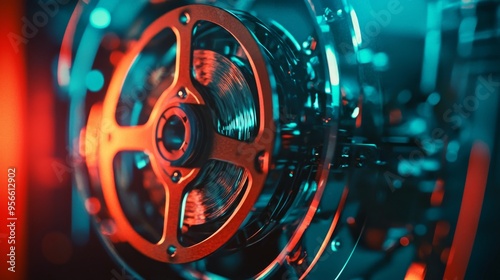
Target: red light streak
470,211
438,193
416,271
12,138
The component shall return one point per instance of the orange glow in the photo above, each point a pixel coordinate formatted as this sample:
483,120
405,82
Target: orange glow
416,271
470,211
93,205
115,57
438,193
12,137
404,241
360,115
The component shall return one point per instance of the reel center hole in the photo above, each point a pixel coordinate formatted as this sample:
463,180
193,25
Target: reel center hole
174,133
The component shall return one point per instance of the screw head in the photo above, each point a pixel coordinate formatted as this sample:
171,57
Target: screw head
184,18
335,245
171,251
260,161
176,176
182,93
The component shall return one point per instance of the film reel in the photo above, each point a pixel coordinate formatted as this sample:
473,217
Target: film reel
221,141
207,133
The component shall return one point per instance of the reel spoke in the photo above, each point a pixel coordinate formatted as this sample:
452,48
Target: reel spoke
128,138
184,52
175,185
233,151
186,92
171,225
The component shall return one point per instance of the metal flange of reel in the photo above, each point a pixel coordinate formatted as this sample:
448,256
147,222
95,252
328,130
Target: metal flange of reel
173,109
283,163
